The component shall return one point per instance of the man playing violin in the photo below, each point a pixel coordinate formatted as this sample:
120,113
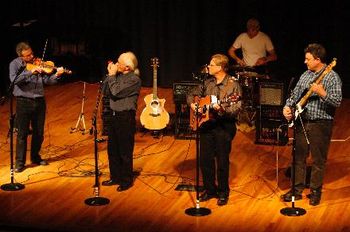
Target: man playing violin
216,135
30,103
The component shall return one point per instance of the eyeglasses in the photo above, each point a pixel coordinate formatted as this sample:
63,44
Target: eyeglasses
28,55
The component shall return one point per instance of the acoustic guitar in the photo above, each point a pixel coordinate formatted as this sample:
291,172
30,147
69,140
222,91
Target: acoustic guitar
154,116
205,107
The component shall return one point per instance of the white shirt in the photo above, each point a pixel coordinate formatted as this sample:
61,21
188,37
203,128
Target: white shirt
253,48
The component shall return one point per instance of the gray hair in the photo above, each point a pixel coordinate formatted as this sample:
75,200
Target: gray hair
130,60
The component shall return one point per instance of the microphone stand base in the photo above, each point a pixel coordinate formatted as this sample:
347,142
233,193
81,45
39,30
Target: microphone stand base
96,201
12,187
194,211
293,211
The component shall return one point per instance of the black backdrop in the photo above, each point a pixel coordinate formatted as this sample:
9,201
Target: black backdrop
83,35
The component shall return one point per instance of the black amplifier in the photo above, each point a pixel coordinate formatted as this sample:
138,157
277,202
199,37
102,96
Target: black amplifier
182,89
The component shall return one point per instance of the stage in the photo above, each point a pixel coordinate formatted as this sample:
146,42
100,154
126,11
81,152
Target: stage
54,195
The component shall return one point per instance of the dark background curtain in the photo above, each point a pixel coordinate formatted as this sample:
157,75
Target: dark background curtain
183,34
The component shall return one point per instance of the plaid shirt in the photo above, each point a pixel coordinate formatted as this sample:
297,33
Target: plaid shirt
318,108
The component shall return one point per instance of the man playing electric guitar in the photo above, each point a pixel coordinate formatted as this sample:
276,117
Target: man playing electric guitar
216,135
317,116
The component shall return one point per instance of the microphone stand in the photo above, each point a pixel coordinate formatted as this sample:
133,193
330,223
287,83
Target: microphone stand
96,200
11,186
294,211
198,211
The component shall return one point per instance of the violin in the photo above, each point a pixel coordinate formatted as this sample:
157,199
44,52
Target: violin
46,66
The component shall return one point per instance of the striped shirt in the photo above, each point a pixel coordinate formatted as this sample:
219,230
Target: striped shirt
318,108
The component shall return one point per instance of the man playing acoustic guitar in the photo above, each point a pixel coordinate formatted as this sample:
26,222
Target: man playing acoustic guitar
217,133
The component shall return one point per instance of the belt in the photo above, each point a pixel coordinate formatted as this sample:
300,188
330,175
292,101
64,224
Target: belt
124,112
318,120
30,98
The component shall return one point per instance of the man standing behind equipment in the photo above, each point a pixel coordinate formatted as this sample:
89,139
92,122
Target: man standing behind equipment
257,48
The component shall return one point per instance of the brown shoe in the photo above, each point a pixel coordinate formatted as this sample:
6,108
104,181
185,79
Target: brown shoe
315,197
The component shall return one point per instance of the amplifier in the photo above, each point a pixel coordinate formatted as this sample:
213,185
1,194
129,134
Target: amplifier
271,93
181,90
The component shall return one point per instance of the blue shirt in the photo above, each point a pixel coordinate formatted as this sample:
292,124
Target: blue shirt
26,83
318,108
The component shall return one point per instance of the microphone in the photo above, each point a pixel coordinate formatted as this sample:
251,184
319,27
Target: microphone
205,69
202,74
291,83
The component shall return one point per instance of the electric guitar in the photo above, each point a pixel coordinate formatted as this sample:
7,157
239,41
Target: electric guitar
154,116
300,106
205,108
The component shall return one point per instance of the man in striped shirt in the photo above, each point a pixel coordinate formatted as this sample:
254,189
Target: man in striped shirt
317,117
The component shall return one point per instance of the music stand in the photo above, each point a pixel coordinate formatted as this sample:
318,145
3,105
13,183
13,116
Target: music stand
293,211
12,186
96,200
198,211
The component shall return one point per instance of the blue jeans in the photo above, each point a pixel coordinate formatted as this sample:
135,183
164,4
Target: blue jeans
29,112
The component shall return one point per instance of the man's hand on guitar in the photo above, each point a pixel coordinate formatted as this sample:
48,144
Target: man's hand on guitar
318,89
287,113
194,107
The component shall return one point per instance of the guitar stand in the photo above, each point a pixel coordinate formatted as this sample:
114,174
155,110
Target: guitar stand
80,125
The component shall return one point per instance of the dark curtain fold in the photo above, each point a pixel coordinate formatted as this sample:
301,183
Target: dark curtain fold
183,34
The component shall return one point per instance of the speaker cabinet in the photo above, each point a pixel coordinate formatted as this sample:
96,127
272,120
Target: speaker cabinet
182,110
271,127
271,93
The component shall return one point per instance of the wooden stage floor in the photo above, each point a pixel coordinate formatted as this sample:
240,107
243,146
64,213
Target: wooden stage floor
54,195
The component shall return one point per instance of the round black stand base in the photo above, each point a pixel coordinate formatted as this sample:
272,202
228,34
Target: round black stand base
12,187
293,211
96,201
198,211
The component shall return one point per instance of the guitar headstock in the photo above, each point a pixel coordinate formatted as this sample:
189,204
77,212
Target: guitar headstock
232,98
333,63
155,62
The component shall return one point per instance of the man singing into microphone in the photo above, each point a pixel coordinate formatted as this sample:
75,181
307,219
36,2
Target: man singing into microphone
217,134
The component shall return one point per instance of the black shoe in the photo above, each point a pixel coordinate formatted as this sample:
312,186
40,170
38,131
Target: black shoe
315,197
41,162
206,196
110,182
222,200
19,169
287,197
124,187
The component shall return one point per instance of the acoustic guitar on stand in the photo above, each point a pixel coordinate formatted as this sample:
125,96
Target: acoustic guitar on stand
154,116
204,113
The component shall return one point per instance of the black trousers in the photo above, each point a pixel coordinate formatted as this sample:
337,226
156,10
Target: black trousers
29,112
319,134
215,149
121,140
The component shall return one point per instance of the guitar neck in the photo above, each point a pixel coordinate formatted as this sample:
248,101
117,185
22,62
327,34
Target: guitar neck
155,83
304,99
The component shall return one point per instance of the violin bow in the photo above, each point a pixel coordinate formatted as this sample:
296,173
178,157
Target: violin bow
44,51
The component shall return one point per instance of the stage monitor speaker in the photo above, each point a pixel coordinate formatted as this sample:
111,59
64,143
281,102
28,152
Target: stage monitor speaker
271,93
